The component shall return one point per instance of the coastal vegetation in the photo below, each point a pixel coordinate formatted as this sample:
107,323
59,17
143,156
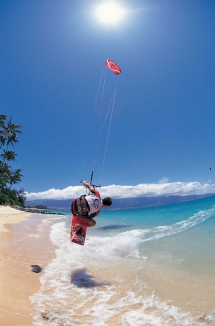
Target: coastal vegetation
8,175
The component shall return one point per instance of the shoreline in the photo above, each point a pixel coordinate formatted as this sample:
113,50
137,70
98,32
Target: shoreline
10,215
18,250
27,242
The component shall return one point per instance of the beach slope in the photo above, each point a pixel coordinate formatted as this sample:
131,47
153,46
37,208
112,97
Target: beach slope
17,282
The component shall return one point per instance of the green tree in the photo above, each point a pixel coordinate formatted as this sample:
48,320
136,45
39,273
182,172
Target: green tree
8,176
3,118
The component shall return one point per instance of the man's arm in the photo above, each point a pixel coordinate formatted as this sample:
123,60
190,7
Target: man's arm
88,185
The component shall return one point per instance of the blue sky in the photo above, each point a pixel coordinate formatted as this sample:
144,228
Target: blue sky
162,131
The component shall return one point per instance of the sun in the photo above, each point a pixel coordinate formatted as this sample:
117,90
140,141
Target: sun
110,13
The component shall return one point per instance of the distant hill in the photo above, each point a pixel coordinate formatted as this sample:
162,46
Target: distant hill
121,203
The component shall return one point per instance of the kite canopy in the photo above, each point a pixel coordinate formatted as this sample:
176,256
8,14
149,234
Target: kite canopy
113,67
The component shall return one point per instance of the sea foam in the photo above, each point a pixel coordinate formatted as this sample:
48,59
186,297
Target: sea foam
74,292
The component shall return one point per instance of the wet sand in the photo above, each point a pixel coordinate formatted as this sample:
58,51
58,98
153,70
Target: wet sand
19,248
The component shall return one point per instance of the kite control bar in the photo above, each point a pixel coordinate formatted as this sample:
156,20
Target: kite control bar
91,181
94,186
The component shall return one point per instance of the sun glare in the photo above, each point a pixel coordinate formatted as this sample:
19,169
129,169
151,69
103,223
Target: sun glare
110,13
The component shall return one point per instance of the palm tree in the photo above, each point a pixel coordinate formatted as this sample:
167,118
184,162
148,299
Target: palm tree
8,156
11,132
4,174
8,176
3,118
15,177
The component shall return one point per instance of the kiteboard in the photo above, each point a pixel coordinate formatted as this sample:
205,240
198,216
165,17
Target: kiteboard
74,236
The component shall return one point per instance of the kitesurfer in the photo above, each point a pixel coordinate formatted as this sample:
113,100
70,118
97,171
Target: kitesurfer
87,207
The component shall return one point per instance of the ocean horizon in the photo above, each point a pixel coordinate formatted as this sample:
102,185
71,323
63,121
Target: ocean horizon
122,203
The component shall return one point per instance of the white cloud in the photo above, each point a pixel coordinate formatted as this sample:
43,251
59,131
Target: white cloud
118,191
163,180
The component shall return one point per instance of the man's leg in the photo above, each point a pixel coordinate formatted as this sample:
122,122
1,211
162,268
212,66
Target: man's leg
84,221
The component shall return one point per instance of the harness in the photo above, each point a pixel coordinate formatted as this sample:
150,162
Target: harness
80,207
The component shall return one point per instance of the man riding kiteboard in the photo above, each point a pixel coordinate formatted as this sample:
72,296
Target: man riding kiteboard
86,207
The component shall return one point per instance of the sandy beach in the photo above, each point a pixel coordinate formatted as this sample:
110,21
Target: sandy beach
10,215
17,252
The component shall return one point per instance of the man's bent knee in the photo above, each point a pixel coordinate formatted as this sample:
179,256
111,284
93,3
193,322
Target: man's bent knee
92,222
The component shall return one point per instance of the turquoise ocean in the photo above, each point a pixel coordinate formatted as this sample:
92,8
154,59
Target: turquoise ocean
139,266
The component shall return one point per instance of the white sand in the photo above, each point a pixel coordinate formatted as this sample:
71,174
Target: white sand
10,215
17,282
